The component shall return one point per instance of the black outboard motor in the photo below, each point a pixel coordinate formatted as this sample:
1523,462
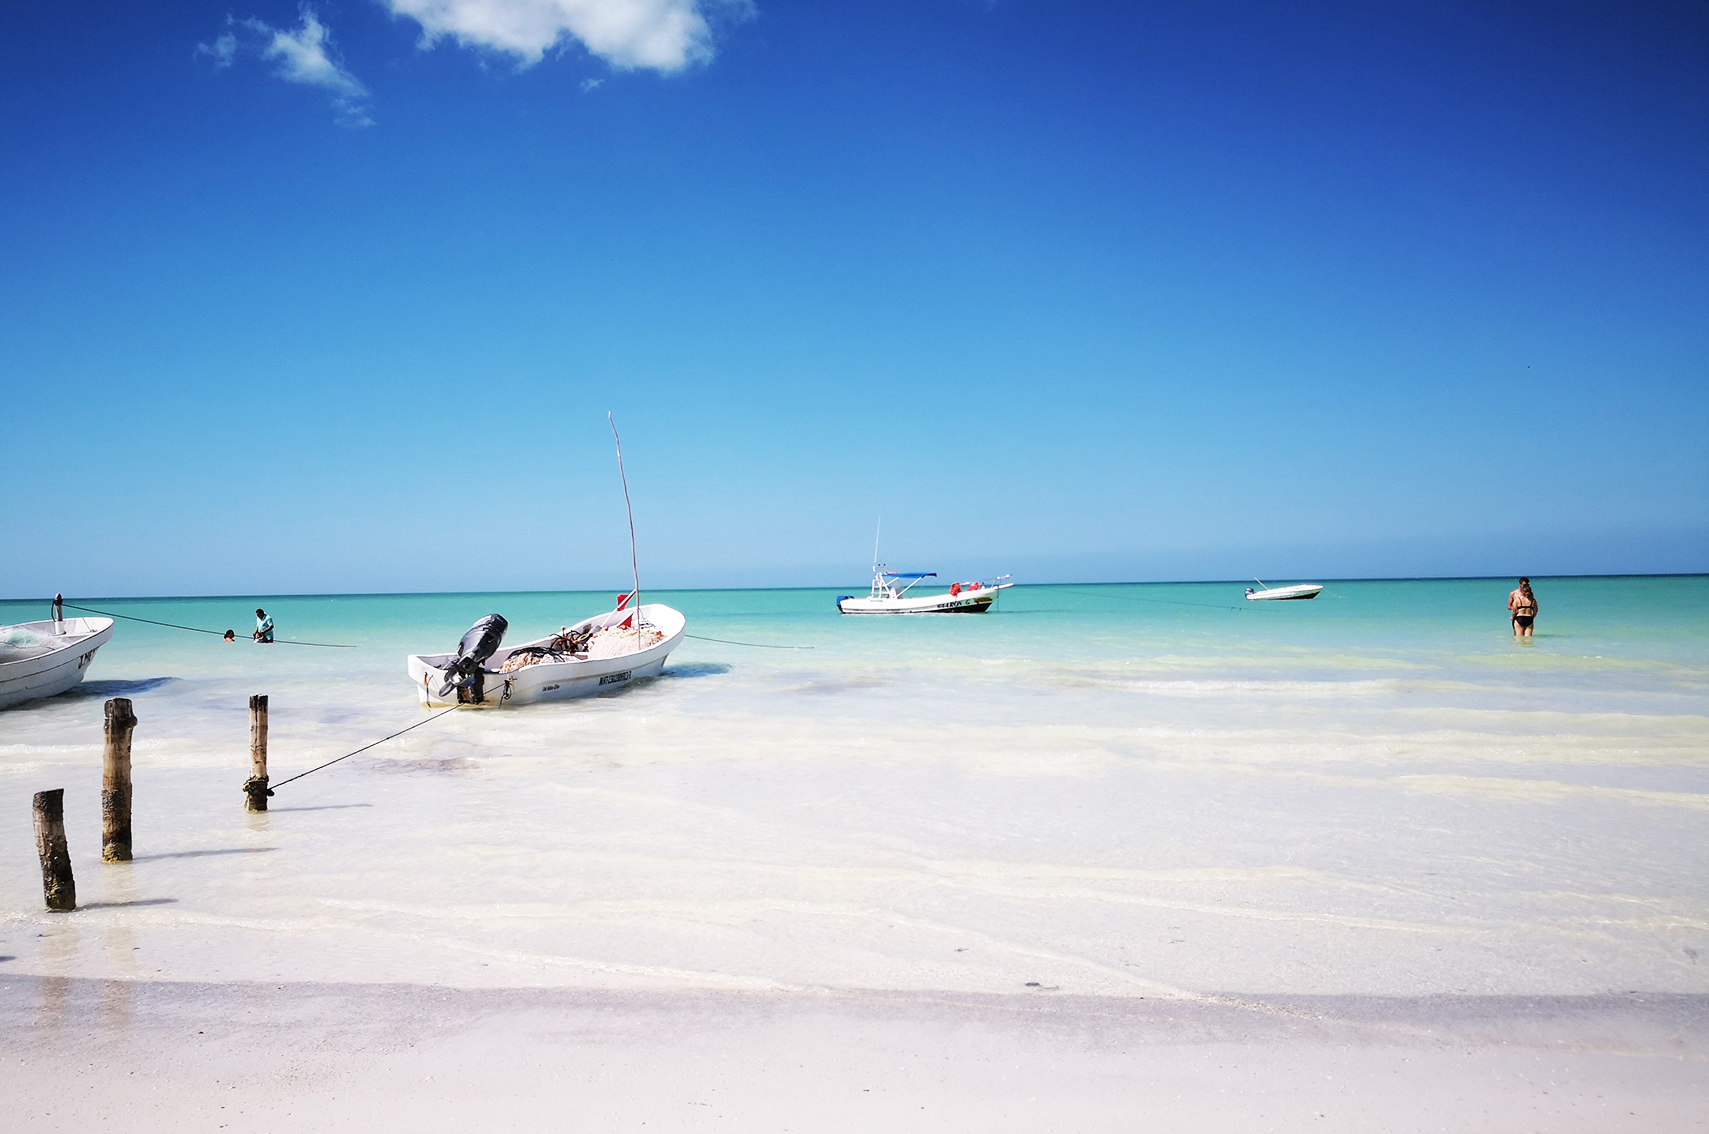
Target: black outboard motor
476,647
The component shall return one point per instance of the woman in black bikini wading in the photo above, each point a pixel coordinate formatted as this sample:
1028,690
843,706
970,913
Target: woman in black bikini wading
1523,605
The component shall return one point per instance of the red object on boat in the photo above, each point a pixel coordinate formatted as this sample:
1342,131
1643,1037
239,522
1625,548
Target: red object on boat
955,588
622,601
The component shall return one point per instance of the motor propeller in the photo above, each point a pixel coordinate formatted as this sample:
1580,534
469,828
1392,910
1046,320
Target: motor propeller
479,644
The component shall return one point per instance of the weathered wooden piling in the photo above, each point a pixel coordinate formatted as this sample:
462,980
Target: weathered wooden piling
58,888
255,787
116,782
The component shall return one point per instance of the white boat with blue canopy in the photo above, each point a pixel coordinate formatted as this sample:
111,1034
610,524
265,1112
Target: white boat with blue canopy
890,595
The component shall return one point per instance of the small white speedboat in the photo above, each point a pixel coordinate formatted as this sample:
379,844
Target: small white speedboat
1300,591
890,595
598,655
43,659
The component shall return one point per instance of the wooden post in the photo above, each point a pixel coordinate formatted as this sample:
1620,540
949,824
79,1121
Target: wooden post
255,787
57,885
116,782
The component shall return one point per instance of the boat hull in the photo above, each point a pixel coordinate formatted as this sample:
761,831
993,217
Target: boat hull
556,680
967,602
1285,594
61,667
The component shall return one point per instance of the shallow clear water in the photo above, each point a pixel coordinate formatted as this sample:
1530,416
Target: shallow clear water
1127,790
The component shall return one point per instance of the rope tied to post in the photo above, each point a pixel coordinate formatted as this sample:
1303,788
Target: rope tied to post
363,749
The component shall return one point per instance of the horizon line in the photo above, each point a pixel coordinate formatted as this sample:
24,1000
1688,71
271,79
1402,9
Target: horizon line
695,590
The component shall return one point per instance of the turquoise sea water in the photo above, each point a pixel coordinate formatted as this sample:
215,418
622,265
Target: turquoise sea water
1120,789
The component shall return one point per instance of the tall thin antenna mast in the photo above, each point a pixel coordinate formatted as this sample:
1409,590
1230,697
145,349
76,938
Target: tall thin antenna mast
875,535
634,564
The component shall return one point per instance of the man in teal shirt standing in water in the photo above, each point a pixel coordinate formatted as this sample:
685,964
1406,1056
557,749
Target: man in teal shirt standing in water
263,626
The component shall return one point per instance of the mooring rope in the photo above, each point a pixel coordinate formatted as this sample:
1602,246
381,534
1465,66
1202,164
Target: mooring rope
1166,602
755,645
198,629
365,747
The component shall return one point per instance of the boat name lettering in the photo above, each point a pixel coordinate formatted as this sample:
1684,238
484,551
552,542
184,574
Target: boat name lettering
547,688
614,678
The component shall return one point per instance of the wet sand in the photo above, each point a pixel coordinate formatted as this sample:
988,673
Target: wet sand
146,1056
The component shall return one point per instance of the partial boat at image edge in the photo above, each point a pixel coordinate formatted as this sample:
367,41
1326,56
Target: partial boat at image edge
55,663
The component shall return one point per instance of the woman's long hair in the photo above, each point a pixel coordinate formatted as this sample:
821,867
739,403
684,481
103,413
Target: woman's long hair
1525,589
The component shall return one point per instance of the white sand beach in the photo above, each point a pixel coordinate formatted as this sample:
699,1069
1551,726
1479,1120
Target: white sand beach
167,1056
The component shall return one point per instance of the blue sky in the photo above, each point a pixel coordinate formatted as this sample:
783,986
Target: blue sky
333,298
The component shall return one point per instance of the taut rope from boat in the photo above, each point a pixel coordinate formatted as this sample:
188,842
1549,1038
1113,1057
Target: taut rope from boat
365,747
1164,601
755,645
199,630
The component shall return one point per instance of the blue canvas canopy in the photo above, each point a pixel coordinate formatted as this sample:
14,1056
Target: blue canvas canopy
910,574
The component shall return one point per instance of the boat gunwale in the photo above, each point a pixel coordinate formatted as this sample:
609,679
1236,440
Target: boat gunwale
31,679
64,644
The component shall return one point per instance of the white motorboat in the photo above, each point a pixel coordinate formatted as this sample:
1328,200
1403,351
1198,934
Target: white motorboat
42,659
601,654
890,595
1299,591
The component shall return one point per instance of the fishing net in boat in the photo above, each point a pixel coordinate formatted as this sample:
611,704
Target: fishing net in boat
17,643
527,656
615,642
566,643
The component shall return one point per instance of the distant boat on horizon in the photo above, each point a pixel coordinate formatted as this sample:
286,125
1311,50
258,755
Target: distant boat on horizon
887,597
1298,591
890,596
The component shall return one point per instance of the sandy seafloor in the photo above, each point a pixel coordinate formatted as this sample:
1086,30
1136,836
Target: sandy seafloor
1110,858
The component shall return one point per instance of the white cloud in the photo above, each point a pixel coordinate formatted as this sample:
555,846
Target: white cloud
664,35
304,56
223,49
303,59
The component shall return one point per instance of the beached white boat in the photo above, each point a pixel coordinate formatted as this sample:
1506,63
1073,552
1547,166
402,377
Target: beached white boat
890,595
41,659
597,655
1300,591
